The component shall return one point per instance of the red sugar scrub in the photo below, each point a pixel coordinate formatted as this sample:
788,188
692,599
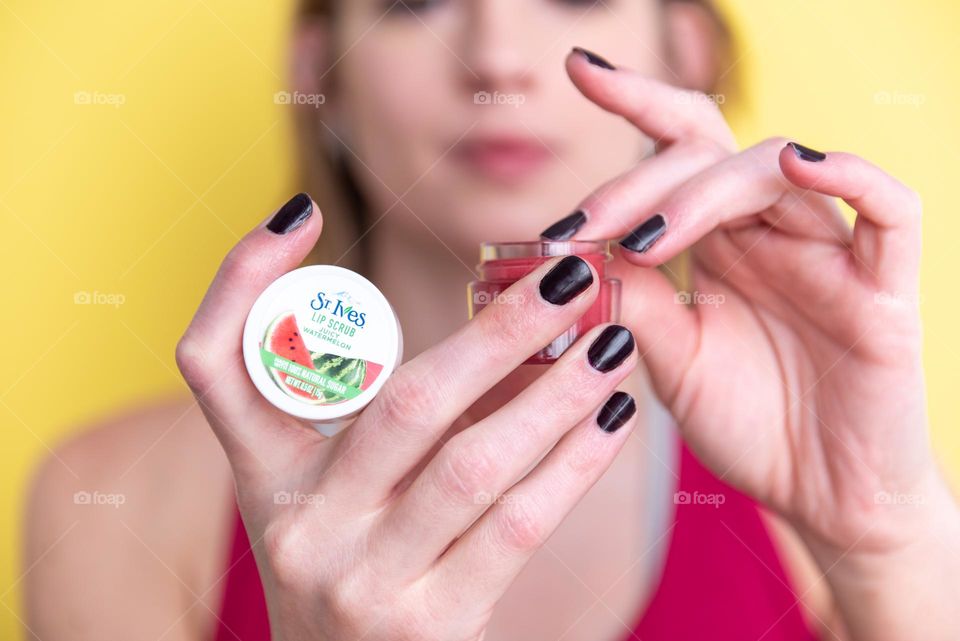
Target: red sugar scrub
502,264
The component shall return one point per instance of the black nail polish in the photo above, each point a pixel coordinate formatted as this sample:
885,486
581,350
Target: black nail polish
569,277
610,348
291,215
643,237
566,227
616,411
805,153
594,59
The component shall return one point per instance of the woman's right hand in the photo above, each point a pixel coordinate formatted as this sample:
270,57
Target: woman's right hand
385,531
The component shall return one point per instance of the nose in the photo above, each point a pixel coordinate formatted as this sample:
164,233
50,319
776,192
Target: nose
497,42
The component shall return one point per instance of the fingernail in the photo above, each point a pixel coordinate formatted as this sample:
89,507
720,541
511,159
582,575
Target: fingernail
616,411
610,348
643,237
566,227
291,215
566,280
594,59
805,153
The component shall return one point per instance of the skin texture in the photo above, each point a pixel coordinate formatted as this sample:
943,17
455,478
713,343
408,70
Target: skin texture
834,414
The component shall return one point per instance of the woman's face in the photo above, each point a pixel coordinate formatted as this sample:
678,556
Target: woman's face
460,119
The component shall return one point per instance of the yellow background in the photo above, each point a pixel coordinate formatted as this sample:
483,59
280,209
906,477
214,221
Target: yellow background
142,200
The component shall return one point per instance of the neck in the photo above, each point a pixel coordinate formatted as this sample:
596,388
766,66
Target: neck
424,281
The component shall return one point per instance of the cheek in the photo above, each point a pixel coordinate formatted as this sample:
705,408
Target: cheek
388,103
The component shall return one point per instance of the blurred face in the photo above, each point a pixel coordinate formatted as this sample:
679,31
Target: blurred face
463,109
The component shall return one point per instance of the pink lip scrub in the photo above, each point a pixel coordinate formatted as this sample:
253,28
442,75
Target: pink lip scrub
502,264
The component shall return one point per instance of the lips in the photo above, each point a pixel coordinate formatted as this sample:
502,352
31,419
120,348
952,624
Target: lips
504,158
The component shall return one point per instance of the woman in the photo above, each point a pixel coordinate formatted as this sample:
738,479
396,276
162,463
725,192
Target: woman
799,384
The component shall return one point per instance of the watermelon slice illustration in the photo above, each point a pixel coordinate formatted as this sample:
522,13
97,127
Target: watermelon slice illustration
283,339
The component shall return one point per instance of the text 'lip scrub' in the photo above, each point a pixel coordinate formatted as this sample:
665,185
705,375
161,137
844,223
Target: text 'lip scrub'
502,264
320,342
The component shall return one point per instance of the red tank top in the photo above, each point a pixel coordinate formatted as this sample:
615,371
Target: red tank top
722,578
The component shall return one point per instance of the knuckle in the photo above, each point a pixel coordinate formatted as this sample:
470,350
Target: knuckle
510,323
351,597
466,469
240,267
191,362
706,150
913,204
286,546
406,399
583,461
519,526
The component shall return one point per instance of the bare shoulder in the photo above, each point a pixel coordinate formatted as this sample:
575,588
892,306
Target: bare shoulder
126,529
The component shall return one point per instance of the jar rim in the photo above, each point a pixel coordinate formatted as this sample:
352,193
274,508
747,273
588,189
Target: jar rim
543,248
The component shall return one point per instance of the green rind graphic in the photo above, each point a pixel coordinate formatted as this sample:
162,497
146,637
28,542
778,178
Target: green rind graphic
349,371
320,386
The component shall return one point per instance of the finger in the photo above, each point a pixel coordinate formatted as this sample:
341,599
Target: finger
734,192
611,211
425,395
887,232
210,355
663,112
496,548
489,457
665,328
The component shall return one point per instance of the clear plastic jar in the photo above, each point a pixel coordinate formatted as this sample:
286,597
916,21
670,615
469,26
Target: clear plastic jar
502,264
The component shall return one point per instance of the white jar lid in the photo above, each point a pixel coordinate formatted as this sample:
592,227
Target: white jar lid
320,342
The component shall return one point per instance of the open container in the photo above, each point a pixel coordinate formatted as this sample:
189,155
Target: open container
502,264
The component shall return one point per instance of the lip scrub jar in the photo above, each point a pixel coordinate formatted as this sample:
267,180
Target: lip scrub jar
320,342
502,264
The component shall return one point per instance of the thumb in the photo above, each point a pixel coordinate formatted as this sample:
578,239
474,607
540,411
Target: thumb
210,354
665,328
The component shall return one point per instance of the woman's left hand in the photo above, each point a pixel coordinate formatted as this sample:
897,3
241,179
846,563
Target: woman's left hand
793,367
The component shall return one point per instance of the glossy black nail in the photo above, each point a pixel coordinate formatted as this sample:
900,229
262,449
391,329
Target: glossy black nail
291,215
568,278
594,59
566,227
643,237
610,348
805,153
616,411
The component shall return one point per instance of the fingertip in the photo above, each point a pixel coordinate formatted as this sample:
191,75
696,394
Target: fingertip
643,246
298,212
591,58
617,412
803,165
